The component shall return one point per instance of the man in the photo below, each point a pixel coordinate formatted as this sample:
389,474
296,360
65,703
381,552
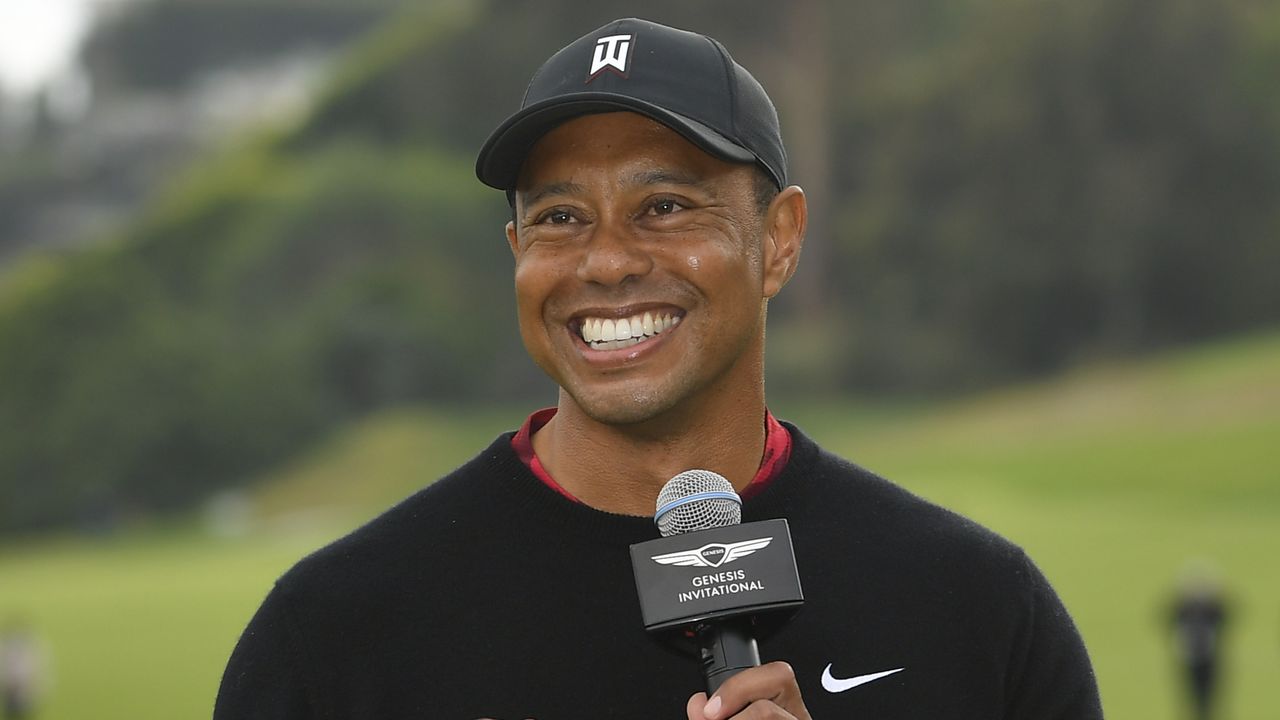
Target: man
22,670
1199,617
652,223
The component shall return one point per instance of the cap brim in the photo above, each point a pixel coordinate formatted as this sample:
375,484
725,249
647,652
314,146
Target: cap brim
503,154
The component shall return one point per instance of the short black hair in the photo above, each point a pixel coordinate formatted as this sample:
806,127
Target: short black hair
764,189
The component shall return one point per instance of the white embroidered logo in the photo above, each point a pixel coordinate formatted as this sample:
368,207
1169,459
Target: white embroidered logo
833,684
614,52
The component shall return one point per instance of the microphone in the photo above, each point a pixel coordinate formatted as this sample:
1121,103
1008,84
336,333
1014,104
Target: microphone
698,500
713,576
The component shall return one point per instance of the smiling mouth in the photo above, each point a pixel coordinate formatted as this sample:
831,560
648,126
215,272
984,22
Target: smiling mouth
617,333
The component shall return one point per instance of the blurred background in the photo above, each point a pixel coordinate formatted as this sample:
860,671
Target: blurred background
251,294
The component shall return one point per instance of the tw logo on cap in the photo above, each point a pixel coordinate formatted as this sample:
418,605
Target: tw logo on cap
612,52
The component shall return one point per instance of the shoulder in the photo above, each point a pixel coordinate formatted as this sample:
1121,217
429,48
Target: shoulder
887,570
422,528
846,507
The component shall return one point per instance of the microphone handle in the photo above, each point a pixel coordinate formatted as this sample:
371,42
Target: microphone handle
727,648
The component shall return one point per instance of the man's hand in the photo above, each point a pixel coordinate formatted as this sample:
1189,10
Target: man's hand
768,691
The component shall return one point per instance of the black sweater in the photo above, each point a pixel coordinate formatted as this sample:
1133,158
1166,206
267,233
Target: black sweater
488,594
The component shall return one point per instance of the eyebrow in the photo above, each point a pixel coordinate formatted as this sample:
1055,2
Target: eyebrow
556,188
664,176
661,176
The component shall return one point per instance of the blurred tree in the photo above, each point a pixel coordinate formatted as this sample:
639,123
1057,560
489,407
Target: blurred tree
1063,181
163,45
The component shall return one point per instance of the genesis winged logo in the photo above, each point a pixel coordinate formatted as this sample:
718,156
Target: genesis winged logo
713,554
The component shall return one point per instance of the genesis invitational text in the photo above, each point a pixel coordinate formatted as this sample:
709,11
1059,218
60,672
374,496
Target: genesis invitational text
675,587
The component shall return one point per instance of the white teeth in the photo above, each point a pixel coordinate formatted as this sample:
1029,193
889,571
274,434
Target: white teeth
617,344
612,334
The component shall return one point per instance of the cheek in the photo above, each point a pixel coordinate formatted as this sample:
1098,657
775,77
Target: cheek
538,279
729,269
535,276
525,283
531,289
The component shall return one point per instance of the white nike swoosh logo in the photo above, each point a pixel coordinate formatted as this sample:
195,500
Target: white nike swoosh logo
836,685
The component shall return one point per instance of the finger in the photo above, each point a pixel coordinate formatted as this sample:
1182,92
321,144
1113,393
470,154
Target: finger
694,708
775,683
763,710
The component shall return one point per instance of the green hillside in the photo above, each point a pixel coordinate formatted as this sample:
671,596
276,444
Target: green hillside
1191,431
1112,478
1194,430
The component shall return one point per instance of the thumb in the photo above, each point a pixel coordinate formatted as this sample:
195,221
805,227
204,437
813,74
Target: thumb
694,708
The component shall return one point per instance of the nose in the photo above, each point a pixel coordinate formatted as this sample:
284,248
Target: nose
612,256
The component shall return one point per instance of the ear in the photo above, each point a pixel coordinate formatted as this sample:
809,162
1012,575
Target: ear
784,227
512,240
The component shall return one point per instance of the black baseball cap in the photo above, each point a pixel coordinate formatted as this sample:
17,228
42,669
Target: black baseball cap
682,79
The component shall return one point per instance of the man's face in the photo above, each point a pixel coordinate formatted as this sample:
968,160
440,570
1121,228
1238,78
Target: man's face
638,275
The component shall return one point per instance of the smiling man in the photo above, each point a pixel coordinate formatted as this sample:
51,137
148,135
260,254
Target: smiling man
652,222
642,269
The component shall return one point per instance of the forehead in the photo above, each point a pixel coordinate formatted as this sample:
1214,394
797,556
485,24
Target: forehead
593,148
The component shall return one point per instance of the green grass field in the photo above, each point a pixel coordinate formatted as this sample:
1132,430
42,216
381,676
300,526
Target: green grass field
1112,478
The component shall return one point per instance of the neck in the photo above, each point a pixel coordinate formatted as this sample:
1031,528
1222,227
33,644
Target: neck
621,468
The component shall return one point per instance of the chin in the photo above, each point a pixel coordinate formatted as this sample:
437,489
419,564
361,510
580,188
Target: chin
622,408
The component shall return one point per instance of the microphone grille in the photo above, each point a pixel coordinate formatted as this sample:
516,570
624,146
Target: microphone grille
696,500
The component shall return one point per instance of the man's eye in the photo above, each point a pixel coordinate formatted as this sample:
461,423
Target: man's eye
557,217
665,207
